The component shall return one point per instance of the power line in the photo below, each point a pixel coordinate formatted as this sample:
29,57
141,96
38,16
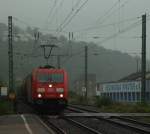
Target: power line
39,28
55,13
73,15
114,35
51,11
92,47
70,13
60,6
107,12
23,22
121,31
102,37
106,25
106,16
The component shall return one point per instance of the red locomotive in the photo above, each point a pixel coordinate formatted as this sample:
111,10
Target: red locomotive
47,86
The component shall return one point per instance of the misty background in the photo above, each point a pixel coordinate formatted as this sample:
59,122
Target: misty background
110,28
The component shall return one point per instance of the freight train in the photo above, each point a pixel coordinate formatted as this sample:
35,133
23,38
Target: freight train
47,87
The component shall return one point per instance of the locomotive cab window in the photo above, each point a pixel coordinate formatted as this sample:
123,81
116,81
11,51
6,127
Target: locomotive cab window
55,78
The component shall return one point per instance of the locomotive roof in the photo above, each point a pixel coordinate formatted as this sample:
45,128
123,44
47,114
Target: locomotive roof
48,70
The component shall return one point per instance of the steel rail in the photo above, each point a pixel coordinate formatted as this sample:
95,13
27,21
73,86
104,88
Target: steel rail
57,129
143,128
83,126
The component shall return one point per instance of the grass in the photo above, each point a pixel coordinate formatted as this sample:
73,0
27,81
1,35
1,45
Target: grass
5,107
125,108
107,105
78,99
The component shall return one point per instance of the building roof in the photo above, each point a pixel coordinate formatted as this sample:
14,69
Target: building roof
135,76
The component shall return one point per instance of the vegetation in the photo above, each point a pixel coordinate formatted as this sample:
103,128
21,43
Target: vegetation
77,99
107,105
102,101
5,107
108,65
126,108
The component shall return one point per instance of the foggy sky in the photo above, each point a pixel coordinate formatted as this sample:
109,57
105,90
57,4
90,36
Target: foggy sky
37,13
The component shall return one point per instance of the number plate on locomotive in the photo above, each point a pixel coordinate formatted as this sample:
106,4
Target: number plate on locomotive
50,90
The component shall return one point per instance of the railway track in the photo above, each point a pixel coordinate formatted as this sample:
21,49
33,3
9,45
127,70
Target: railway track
133,125
52,125
82,126
25,108
54,122
67,126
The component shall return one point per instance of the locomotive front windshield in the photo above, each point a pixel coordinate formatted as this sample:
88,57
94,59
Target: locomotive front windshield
55,78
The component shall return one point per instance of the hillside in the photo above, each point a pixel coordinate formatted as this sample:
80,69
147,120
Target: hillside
108,65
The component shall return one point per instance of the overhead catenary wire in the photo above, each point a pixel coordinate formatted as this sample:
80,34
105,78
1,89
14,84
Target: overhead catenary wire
35,36
55,13
122,31
34,27
114,35
69,15
65,24
109,13
51,11
23,22
99,53
106,25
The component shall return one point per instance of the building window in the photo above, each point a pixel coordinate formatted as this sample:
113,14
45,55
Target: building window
138,96
121,96
129,96
147,96
111,96
104,94
125,96
114,96
133,96
117,96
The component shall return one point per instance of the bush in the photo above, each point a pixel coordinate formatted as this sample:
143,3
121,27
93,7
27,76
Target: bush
5,107
77,99
124,108
72,94
142,107
102,101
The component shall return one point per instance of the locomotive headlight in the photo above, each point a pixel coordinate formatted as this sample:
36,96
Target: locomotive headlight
61,95
59,90
39,96
50,85
41,90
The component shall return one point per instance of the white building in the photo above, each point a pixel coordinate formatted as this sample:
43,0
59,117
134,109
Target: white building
124,91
